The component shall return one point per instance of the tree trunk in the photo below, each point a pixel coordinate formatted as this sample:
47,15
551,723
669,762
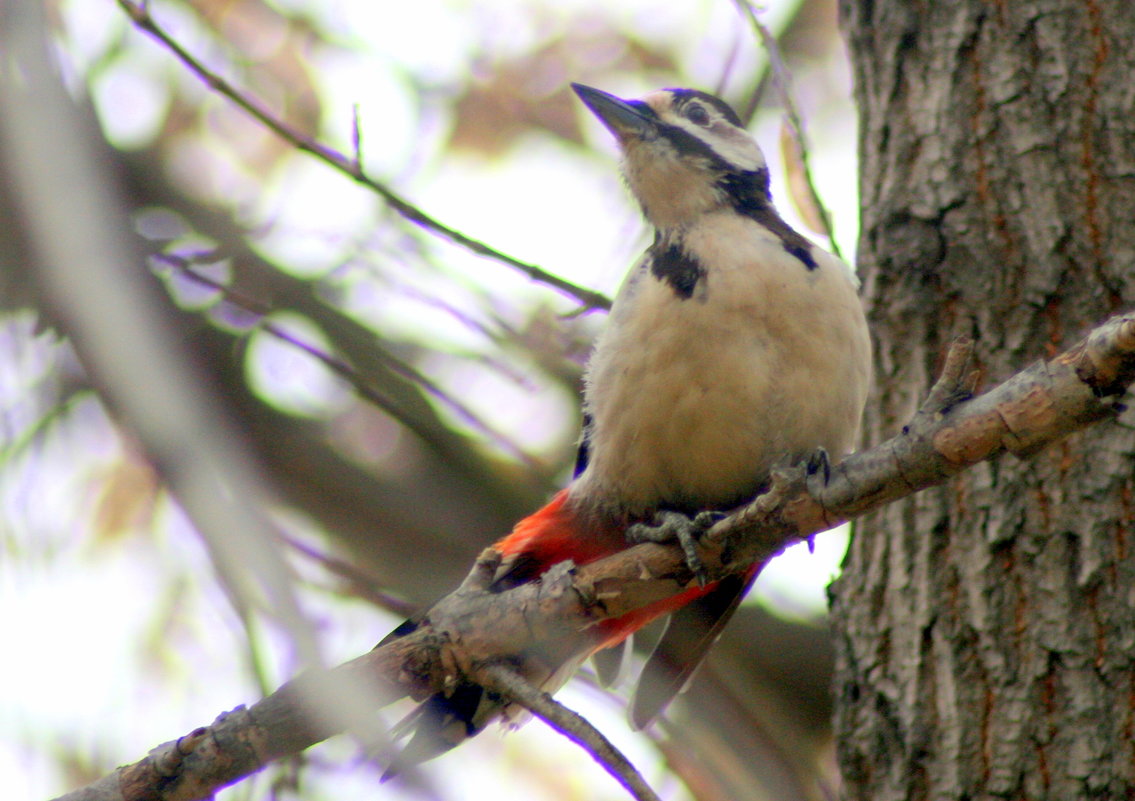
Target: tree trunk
985,631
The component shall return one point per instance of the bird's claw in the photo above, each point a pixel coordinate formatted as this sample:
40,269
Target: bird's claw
667,526
818,463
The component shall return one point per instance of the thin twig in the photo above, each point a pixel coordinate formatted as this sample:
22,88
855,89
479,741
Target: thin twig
502,679
730,63
348,372
356,136
782,81
140,15
362,584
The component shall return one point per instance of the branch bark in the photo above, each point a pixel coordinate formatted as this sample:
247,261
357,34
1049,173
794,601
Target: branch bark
471,629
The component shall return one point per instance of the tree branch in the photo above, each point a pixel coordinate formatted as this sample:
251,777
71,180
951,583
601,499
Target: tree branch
505,681
551,619
139,13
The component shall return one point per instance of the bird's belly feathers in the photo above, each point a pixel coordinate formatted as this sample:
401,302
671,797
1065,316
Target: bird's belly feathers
758,365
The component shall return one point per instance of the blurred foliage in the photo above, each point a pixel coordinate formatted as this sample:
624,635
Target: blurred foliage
415,399
529,93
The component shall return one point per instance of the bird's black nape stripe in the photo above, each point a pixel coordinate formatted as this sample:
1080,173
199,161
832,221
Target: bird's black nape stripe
749,194
802,252
747,187
679,269
684,96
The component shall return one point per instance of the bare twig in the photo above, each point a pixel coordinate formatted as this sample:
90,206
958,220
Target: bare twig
139,13
557,615
502,679
356,136
364,387
361,583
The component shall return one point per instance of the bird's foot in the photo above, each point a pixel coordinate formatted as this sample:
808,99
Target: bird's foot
817,475
818,466
666,527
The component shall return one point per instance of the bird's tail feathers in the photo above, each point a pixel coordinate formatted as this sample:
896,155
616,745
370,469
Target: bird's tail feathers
690,633
553,534
557,532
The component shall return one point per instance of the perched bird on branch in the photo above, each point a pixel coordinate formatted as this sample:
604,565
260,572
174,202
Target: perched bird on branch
733,345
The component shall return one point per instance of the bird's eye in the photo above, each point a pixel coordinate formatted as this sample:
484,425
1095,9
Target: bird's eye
697,114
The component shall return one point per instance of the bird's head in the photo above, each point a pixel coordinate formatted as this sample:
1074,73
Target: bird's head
685,153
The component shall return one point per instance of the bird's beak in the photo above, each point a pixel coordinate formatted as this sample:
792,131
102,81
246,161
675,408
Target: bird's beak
621,118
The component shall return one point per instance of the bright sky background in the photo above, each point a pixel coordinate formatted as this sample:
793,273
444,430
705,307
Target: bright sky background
59,593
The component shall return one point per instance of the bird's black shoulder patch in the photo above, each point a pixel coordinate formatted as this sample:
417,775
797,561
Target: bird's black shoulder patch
671,263
800,251
749,194
684,96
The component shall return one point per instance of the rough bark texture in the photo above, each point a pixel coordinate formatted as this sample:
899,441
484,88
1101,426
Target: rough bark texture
985,630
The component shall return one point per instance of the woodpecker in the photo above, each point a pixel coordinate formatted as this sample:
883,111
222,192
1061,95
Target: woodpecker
733,345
